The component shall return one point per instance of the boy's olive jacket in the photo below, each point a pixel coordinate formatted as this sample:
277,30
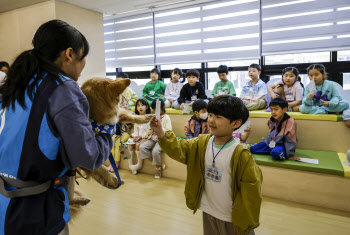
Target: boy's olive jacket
246,178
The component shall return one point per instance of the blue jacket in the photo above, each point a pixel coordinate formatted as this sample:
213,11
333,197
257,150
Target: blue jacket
40,143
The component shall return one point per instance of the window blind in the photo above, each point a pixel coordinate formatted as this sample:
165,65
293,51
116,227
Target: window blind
294,26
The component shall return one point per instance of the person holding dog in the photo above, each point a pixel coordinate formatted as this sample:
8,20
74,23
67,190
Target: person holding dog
45,132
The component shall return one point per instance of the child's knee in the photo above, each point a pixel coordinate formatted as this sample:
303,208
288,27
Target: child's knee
278,154
303,108
347,123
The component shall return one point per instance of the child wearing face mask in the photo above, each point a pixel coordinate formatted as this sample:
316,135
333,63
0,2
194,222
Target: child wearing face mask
198,123
289,88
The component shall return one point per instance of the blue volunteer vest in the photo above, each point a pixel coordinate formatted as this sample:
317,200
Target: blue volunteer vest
30,151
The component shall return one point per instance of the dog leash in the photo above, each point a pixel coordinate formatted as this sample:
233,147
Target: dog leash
111,159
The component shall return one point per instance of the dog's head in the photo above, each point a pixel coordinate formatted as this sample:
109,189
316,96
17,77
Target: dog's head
104,96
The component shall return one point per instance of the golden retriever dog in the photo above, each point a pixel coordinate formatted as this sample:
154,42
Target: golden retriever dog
104,96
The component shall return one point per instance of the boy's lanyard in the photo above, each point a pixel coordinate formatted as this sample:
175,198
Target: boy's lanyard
153,85
274,135
193,92
212,149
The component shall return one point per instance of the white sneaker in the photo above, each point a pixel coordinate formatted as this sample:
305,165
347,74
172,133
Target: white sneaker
134,172
158,173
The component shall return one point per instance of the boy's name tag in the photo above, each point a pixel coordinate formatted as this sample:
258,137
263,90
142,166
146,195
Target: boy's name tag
193,98
152,92
272,144
213,174
158,109
222,92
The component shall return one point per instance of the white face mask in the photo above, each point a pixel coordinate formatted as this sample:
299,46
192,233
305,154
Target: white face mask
203,115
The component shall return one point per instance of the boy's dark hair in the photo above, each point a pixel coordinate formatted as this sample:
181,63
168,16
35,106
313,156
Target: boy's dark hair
4,64
50,40
256,66
222,69
229,107
279,102
162,105
155,70
179,72
192,72
198,105
144,102
122,75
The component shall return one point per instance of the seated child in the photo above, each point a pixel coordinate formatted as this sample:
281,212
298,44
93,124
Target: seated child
254,92
151,148
122,135
229,191
242,133
326,98
154,89
346,117
140,134
198,123
172,91
191,91
282,139
129,94
289,88
224,87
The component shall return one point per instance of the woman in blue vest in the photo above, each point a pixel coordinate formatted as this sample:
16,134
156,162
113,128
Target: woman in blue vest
45,132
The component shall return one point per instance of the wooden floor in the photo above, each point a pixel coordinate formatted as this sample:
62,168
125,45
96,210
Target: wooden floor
148,206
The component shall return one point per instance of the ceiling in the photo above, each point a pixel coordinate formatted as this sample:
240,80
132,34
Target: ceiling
110,8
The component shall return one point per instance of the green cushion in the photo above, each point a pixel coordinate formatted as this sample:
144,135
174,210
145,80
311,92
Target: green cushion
329,162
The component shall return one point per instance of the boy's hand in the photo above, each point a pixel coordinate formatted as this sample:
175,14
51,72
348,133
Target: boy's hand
191,103
156,126
160,95
325,103
145,96
182,106
247,130
310,95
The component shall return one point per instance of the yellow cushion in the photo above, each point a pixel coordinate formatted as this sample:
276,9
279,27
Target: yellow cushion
298,116
343,158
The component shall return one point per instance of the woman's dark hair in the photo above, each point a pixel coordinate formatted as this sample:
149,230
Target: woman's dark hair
179,72
229,107
162,105
50,40
4,64
155,70
293,70
319,67
144,102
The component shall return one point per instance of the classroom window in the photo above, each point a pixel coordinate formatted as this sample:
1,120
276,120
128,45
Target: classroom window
137,68
315,57
344,55
238,78
181,66
233,63
346,81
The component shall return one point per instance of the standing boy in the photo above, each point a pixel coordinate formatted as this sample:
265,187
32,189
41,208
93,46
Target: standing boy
282,139
254,92
224,87
191,91
223,179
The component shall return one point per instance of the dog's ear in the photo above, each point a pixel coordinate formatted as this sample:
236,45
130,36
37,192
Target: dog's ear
119,85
